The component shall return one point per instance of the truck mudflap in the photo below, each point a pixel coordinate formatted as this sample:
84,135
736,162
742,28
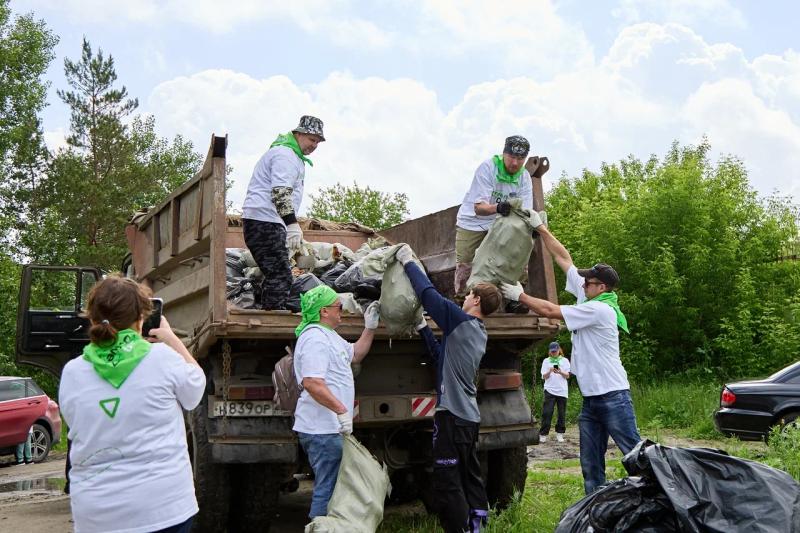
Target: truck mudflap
235,438
506,420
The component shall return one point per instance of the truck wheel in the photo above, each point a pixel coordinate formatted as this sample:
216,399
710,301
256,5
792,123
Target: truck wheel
211,485
506,474
254,497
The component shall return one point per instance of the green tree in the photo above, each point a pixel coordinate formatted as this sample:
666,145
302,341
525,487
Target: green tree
110,168
695,248
26,50
374,209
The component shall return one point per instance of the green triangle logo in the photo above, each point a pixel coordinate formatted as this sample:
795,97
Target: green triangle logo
110,406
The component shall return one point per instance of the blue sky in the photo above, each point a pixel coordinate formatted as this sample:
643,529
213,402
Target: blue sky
415,94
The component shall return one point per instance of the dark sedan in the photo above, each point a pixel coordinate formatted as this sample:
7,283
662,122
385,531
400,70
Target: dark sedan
749,409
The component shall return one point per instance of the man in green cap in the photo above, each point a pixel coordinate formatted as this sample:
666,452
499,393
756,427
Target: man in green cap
595,323
269,211
322,362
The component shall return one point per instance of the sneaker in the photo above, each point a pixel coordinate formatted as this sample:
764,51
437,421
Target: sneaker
542,438
560,437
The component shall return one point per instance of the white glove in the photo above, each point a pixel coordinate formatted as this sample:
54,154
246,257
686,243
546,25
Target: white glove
345,423
511,292
372,315
536,219
543,217
294,237
422,324
404,254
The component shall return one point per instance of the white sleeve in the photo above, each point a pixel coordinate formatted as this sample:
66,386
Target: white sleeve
565,364
583,315
575,284
65,394
283,172
482,184
526,190
546,366
188,379
311,357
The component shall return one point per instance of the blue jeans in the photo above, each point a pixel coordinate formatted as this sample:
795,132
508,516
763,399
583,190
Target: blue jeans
325,455
603,415
23,451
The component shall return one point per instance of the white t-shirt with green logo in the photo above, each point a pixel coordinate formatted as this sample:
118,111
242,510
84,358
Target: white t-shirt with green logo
486,188
130,464
322,353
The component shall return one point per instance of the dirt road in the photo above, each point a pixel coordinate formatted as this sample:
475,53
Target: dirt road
31,497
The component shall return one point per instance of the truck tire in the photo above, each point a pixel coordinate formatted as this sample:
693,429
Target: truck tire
506,474
211,480
255,496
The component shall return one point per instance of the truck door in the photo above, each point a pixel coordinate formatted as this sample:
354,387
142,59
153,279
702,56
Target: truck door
50,328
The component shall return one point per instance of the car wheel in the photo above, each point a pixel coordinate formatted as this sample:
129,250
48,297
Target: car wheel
40,443
790,421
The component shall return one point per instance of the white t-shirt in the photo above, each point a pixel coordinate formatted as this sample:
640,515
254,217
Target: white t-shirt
130,471
322,353
556,384
278,167
595,342
486,188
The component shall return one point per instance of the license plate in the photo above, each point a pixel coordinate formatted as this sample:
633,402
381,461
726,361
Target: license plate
242,408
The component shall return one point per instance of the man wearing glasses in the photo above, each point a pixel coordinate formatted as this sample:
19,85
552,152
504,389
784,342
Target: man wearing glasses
594,322
322,362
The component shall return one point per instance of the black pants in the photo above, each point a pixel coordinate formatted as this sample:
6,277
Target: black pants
460,496
267,243
547,413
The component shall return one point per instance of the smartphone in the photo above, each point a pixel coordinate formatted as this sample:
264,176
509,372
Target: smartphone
154,320
555,366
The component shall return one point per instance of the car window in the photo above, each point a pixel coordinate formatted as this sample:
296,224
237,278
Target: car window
790,374
33,389
12,389
53,290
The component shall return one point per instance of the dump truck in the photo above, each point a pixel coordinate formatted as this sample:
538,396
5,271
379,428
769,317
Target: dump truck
242,448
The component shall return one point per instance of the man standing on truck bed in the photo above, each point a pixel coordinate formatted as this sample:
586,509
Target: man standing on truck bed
461,501
322,362
269,212
497,180
607,407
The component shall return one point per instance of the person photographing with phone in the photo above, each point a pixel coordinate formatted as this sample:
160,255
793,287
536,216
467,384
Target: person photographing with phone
123,401
555,373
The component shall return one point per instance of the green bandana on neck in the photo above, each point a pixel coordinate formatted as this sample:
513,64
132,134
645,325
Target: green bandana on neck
115,361
502,174
288,140
311,303
610,299
554,360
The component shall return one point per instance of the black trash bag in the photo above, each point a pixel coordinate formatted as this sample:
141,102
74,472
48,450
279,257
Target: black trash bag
243,292
631,504
369,289
234,266
329,277
300,285
352,278
713,491
689,490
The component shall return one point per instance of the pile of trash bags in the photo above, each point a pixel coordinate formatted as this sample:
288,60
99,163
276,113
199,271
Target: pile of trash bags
360,277
689,490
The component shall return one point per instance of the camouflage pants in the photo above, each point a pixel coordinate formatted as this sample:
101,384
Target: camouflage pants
267,243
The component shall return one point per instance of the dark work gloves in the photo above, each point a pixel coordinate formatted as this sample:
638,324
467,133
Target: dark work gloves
504,208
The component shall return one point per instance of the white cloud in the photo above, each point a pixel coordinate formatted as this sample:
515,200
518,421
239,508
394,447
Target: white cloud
395,135
55,139
688,12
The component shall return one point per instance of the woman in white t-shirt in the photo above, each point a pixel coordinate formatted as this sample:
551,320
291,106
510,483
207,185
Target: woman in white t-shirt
555,373
123,401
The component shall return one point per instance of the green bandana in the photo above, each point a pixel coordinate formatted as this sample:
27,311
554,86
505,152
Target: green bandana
288,140
502,174
311,303
554,360
610,299
115,361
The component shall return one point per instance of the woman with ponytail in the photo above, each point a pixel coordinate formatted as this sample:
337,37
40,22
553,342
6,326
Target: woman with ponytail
123,401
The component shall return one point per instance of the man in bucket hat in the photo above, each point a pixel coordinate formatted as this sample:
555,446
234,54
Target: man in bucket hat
322,364
269,212
595,323
497,180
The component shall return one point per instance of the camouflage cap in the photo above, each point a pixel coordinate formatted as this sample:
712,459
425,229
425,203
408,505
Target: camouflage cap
517,145
310,125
